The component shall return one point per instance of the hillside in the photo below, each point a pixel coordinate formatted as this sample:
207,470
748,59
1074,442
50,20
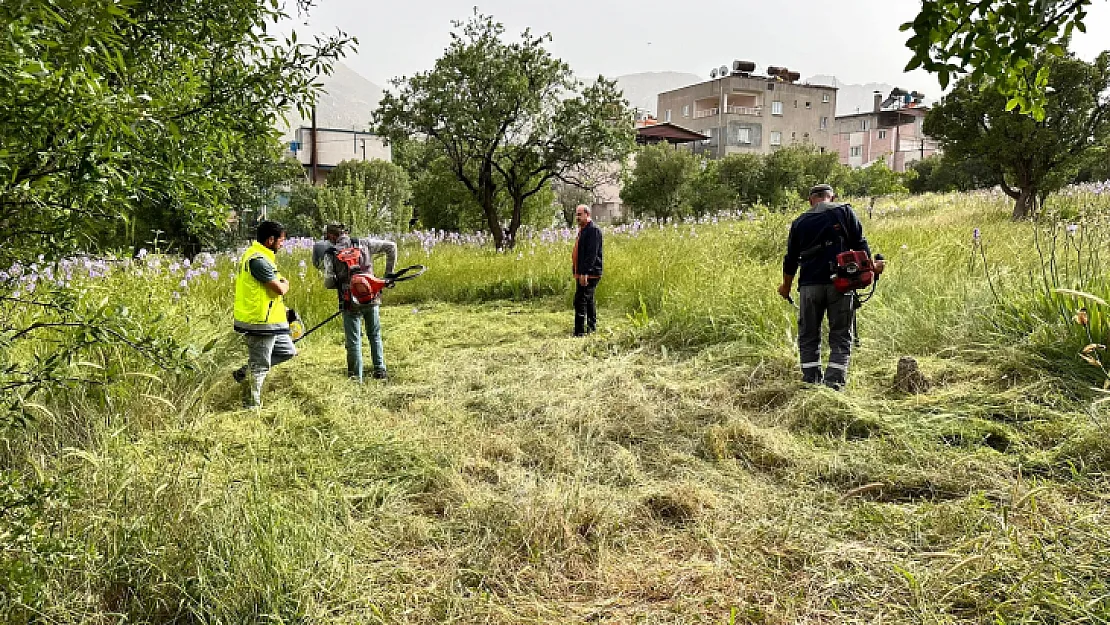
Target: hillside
852,98
347,102
349,99
642,90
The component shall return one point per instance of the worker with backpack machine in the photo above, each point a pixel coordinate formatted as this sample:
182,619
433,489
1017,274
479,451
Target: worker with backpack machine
349,268
827,244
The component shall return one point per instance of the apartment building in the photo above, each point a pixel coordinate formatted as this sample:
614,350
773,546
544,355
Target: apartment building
321,151
891,131
742,112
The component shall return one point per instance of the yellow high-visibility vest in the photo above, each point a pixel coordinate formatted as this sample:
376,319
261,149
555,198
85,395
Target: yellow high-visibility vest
257,310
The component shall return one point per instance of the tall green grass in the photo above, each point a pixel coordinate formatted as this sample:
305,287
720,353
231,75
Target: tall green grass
670,469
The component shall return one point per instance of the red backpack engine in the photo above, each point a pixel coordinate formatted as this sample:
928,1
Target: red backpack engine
357,286
854,270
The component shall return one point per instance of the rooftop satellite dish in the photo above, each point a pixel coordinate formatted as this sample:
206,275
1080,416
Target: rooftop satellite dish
713,74
723,71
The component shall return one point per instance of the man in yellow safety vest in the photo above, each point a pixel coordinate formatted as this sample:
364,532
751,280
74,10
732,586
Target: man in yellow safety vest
260,314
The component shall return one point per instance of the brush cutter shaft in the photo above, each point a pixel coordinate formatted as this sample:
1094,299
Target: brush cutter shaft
318,326
408,273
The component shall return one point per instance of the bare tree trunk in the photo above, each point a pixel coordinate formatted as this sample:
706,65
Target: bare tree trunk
488,195
1024,203
514,223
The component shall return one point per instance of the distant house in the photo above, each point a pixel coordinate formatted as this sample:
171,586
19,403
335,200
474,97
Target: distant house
331,146
742,112
892,132
607,206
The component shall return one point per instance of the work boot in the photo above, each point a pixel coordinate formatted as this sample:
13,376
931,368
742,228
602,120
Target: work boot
811,376
835,381
240,374
380,374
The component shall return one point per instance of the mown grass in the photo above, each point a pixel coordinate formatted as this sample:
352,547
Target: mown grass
670,469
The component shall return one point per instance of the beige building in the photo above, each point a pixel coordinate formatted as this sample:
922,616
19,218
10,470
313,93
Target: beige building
333,146
892,132
745,113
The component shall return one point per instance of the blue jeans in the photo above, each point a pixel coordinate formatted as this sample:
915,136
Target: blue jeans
264,352
352,334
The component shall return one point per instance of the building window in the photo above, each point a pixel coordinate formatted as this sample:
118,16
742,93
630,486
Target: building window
776,108
856,150
686,110
667,117
793,136
776,137
882,134
825,98
809,105
770,86
795,104
824,123
708,133
864,124
744,136
805,136
822,150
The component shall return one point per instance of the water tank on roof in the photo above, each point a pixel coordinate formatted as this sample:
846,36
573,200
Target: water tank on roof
793,76
744,67
775,71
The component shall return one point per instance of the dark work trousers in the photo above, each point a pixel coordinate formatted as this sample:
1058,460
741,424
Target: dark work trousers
585,311
815,302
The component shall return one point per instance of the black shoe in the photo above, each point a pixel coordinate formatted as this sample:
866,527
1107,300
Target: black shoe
811,378
835,383
240,374
380,374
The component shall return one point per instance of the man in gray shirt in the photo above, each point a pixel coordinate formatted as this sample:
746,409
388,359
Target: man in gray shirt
355,314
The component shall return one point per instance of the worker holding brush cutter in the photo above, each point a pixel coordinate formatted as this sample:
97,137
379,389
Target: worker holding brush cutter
349,268
827,244
260,313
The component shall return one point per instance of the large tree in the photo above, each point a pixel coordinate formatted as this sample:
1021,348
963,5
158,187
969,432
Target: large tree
1026,157
139,113
119,118
997,40
509,117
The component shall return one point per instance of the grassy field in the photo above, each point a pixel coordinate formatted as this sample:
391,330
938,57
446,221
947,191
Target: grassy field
670,469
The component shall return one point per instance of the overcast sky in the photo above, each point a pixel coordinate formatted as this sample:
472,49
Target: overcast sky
858,41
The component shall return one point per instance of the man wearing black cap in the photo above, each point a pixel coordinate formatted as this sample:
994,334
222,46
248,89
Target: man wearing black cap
816,237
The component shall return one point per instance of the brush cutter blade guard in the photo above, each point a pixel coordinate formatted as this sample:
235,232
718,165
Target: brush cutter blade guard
408,273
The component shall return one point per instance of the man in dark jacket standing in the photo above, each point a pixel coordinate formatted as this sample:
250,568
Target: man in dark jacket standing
586,264
816,237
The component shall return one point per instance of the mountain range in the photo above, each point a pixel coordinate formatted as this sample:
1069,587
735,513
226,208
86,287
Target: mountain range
349,99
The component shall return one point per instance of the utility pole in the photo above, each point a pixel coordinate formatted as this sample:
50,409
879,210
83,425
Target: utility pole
315,156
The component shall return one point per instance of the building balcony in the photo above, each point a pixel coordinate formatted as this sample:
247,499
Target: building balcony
745,110
755,111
